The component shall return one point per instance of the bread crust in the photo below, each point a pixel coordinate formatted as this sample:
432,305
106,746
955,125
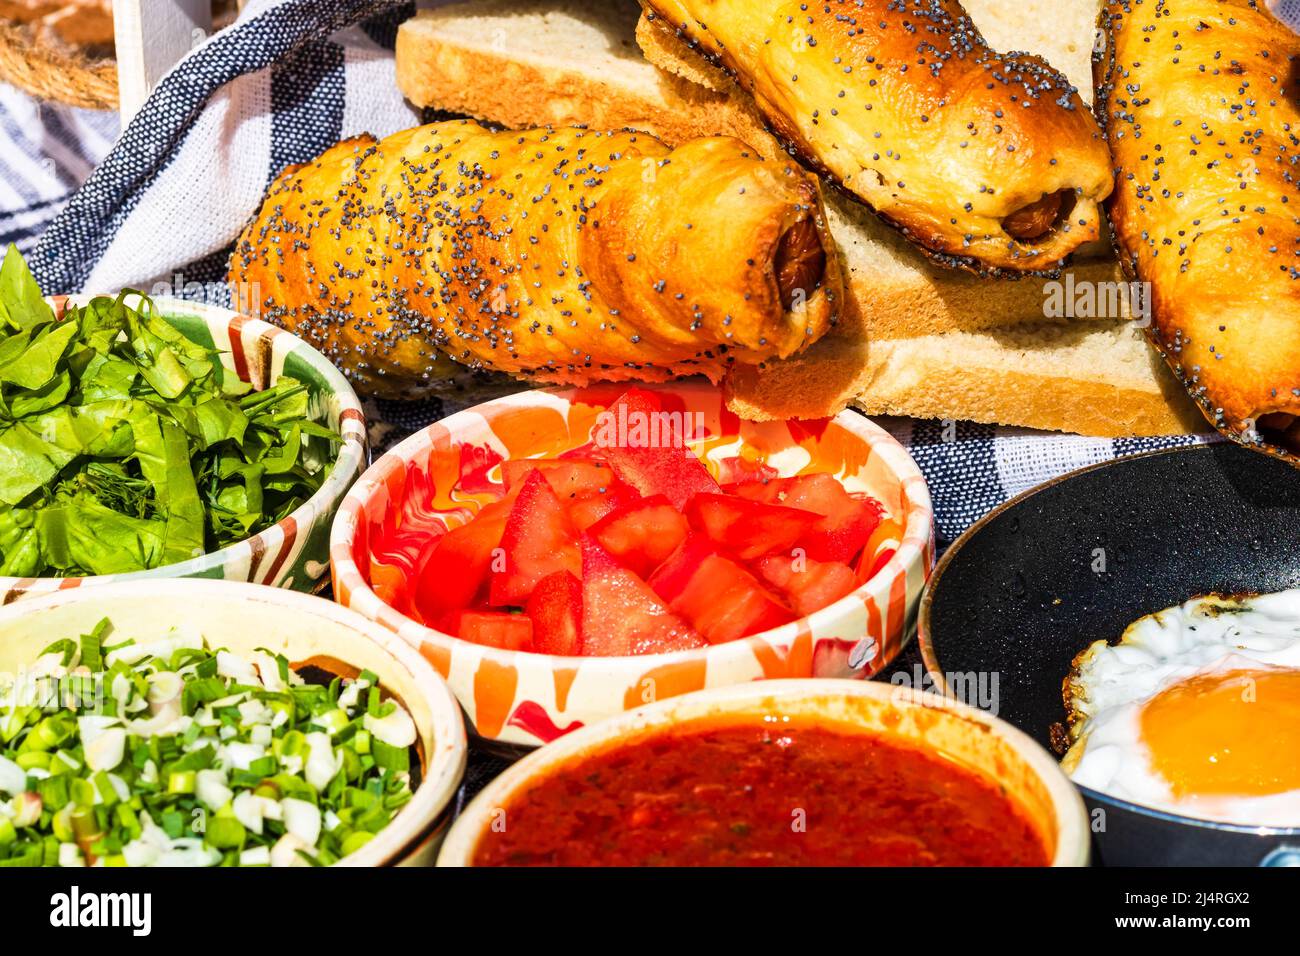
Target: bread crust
522,92
995,376
1201,110
561,255
903,103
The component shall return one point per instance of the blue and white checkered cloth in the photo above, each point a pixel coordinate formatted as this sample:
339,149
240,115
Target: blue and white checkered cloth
165,202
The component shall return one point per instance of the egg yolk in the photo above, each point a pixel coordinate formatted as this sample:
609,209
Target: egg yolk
1232,733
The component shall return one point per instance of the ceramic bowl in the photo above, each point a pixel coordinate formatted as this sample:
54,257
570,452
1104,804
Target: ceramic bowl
294,553
244,617
1036,581
992,748
447,471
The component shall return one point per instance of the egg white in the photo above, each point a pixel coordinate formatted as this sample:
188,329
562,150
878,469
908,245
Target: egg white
1109,684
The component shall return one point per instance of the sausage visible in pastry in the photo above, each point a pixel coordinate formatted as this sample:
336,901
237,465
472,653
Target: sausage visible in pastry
563,255
986,160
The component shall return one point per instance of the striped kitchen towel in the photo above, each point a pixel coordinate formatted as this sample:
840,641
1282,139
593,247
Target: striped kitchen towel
162,209
289,79
46,152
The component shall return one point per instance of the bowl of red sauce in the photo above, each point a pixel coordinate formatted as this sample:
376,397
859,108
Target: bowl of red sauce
781,773
565,555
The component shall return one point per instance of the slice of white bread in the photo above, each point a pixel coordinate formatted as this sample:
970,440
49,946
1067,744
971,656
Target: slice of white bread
926,342
1093,378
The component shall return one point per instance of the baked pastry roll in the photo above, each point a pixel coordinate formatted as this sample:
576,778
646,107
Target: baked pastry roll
1200,101
986,160
563,255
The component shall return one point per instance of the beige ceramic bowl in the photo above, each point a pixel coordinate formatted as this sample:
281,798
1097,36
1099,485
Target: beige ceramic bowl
243,617
995,749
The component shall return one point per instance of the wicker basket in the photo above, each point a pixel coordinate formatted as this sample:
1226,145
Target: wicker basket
62,50
40,65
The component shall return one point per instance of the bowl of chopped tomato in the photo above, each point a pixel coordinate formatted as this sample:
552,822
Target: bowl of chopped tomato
563,555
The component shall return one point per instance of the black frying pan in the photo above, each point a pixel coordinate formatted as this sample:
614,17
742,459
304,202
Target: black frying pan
1080,558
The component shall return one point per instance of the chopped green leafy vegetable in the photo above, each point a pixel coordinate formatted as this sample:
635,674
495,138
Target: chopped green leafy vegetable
165,753
124,445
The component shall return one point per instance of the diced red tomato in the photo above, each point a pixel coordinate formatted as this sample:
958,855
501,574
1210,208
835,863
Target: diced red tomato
589,450
748,529
621,615
556,612
665,467
568,477
456,568
628,545
721,599
844,531
539,539
596,560
511,632
672,577
641,535
588,509
588,488
807,585
846,522
737,469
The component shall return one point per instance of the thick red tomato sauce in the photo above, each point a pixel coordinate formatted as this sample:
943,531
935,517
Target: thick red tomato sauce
758,795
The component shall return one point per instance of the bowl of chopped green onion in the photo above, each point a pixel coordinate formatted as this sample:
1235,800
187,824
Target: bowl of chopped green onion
162,438
218,723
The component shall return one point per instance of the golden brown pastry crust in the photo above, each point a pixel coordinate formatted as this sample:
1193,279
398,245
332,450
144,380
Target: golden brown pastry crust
1200,101
565,255
904,104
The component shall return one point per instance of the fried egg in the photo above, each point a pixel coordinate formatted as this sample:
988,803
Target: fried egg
1195,711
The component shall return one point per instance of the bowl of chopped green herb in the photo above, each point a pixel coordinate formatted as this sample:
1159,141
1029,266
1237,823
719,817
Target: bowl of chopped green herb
164,438
217,723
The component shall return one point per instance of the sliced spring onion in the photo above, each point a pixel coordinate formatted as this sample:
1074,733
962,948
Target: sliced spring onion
168,753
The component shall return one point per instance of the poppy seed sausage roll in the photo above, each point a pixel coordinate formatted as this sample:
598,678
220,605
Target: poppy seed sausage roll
1200,100
987,161
563,255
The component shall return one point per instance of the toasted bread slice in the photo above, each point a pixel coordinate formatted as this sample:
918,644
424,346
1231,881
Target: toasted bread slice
1094,378
533,62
